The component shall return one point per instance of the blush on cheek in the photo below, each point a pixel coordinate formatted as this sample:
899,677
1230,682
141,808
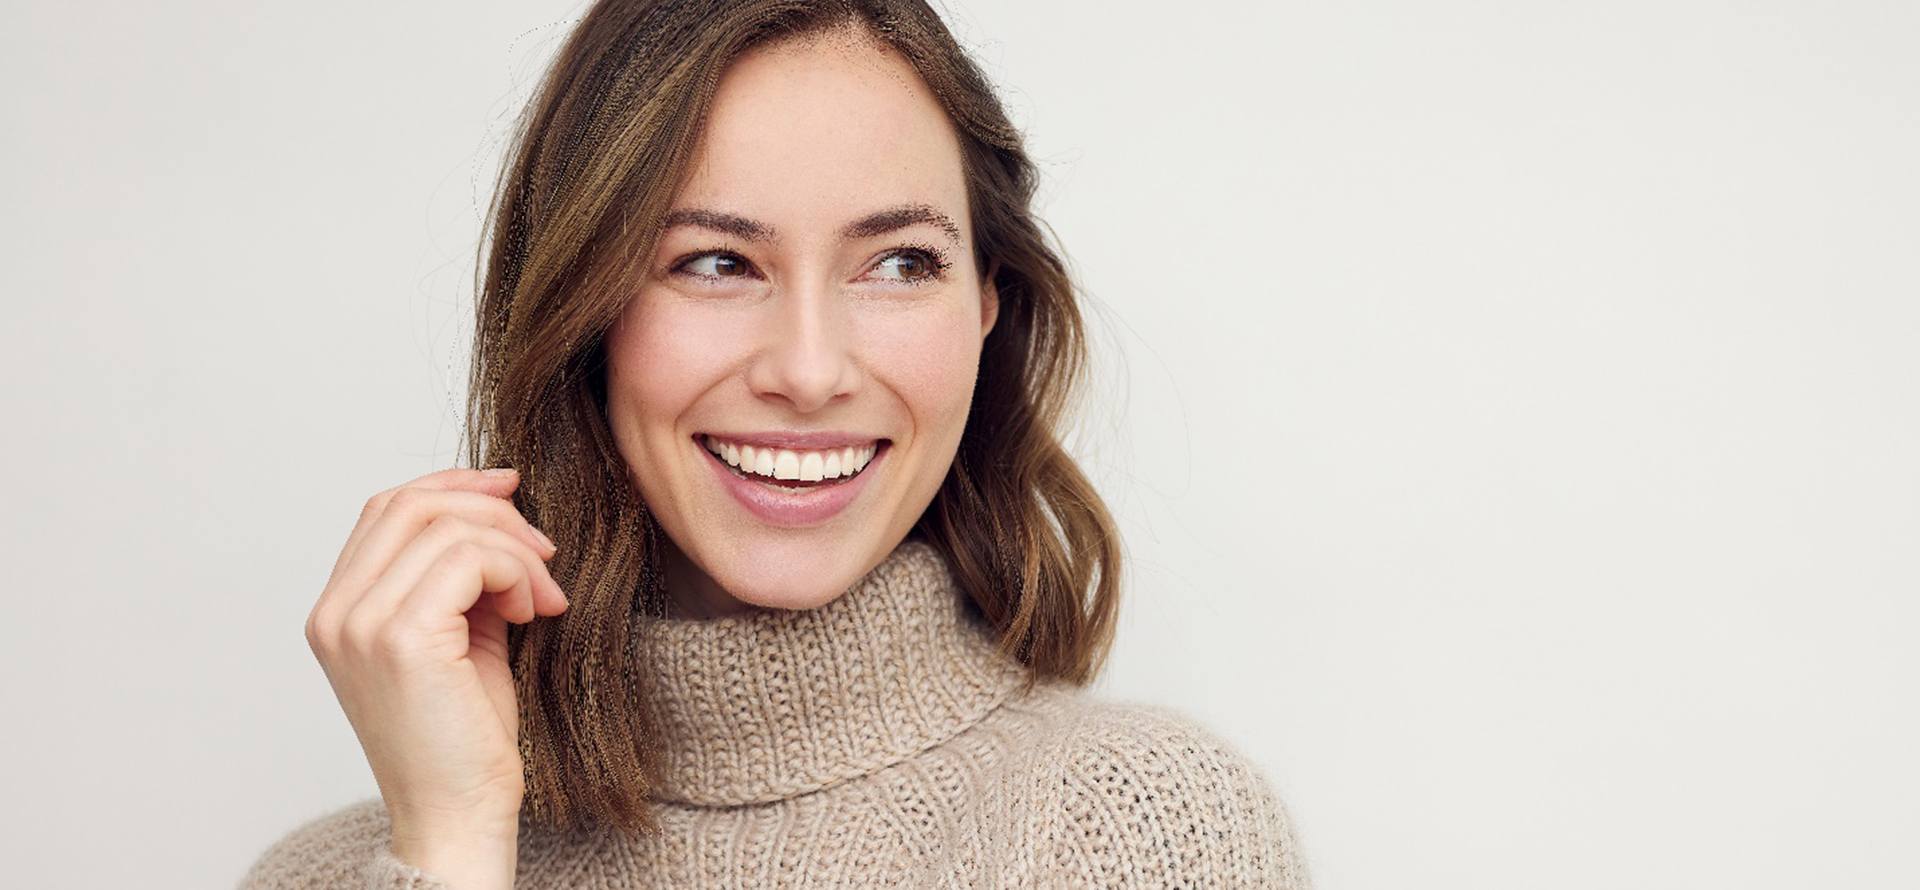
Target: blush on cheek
672,352
927,352
662,359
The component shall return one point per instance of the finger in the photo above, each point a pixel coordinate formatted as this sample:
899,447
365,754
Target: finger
418,558
459,580
498,485
457,576
406,515
460,575
409,511
410,565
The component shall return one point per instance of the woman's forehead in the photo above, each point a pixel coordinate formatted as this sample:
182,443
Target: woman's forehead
798,126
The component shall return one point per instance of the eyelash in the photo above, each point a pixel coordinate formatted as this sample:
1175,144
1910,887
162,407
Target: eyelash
933,256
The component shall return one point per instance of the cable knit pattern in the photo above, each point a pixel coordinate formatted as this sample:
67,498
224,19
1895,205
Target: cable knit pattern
880,740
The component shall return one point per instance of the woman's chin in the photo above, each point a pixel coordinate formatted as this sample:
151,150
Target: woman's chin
782,595
796,600
775,581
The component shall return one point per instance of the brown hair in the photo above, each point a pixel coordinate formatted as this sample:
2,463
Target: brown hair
595,162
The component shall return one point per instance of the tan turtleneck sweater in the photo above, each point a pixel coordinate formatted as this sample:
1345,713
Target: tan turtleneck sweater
880,740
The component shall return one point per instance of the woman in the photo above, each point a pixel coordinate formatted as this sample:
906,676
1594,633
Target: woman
778,351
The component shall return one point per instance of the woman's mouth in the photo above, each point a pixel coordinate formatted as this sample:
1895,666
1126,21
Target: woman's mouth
794,468
793,480
794,487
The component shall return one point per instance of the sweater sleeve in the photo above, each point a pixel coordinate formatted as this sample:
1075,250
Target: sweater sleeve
343,850
1146,797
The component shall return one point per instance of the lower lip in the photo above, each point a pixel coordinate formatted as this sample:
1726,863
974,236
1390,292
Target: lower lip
792,507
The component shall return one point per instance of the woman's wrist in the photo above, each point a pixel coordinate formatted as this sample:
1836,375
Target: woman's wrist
482,859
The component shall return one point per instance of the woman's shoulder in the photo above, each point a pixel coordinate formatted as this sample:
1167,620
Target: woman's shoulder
1147,795
347,847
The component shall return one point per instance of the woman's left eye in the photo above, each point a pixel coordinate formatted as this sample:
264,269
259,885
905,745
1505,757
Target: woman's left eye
914,265
726,264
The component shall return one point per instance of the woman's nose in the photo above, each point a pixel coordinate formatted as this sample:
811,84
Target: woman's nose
807,360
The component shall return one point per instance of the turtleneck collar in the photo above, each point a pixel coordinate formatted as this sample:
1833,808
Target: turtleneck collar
773,703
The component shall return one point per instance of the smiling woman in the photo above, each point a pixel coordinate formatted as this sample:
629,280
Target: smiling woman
771,347
802,309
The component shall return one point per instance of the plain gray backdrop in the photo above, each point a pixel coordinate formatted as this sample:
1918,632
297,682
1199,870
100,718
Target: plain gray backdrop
1511,408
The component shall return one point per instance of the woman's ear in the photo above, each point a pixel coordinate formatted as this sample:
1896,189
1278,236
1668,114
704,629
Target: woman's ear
989,299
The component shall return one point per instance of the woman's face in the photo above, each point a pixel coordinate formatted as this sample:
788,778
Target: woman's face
812,313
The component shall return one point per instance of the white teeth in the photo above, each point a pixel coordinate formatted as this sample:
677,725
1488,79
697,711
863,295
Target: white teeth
788,464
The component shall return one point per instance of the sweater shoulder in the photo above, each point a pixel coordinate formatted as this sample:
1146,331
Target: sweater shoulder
1145,795
345,848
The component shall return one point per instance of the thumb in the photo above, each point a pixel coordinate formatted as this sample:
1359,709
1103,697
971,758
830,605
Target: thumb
497,481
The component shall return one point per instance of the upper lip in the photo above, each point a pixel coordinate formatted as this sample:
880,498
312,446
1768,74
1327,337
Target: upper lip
797,439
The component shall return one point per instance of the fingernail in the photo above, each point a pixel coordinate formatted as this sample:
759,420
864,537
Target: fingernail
501,472
543,538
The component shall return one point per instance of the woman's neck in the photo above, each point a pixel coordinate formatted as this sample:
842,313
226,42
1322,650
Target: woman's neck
691,592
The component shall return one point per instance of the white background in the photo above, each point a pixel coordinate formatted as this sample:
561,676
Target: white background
1511,408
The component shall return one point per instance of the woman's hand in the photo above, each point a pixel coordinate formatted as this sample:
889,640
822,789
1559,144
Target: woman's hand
412,633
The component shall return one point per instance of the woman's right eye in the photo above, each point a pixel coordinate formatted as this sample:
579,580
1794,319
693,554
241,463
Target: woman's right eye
714,264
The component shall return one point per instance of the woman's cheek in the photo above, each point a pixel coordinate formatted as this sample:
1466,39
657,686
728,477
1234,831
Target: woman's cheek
931,357
678,350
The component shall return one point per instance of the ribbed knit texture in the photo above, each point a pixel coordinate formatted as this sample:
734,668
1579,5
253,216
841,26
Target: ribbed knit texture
879,740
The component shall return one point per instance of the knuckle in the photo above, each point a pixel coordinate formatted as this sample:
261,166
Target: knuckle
358,630
447,525
508,541
461,554
407,501
390,642
319,636
375,504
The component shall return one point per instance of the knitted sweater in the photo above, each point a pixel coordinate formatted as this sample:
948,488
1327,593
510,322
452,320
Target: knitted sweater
879,740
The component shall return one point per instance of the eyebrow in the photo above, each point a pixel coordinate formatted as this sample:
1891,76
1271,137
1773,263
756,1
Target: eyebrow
877,223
